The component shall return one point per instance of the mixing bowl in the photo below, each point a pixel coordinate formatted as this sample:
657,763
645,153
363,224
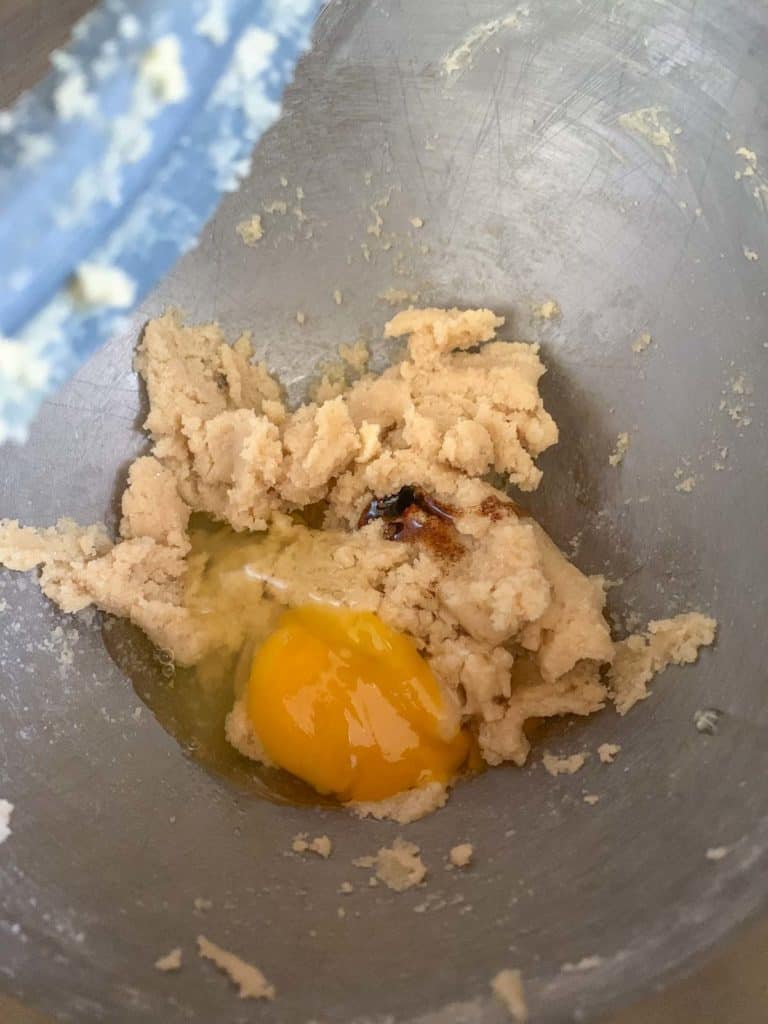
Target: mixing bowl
504,130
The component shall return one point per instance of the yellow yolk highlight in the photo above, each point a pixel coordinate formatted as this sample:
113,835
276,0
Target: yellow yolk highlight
346,703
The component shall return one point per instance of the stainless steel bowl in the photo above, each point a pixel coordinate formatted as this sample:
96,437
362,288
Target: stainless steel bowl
530,188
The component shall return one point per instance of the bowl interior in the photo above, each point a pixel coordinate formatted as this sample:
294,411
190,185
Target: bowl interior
502,130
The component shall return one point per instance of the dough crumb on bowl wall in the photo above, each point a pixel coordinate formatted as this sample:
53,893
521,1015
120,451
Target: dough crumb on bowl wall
461,855
509,628
170,961
508,988
607,752
399,866
249,980
321,845
563,765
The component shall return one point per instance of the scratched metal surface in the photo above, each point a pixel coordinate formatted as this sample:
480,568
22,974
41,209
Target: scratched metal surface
500,129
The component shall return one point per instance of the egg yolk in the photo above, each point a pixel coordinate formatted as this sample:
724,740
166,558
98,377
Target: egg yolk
349,705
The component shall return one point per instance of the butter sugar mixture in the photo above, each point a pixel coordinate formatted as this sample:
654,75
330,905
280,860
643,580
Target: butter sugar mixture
398,615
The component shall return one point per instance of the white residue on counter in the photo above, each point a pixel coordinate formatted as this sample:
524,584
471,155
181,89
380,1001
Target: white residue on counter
162,70
99,285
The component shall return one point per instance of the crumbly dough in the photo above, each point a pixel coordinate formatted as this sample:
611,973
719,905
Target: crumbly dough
366,861
171,961
667,642
507,986
403,808
321,845
399,866
460,856
607,752
510,627
653,124
563,765
250,981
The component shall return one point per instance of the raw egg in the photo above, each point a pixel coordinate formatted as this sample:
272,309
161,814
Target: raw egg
348,704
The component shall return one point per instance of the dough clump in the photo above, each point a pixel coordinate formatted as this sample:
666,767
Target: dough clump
399,866
509,626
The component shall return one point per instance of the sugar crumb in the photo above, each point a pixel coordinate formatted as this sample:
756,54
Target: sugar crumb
417,222
717,852
356,356
591,799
